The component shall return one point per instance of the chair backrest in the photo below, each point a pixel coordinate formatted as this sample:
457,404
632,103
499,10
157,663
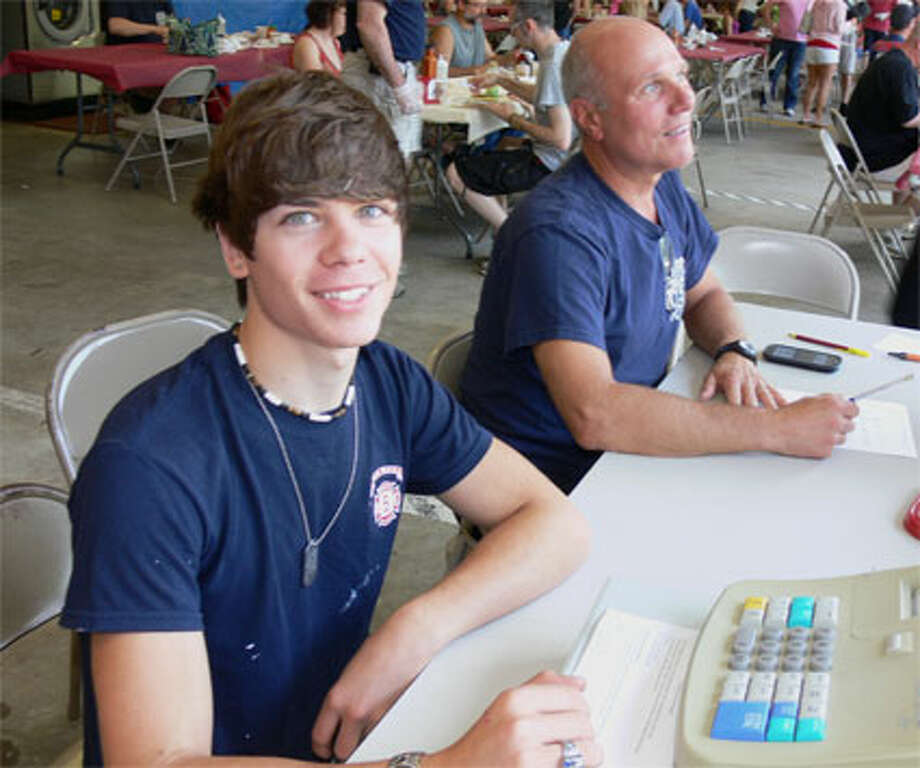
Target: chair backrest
811,271
837,167
100,367
191,82
36,561
446,360
861,172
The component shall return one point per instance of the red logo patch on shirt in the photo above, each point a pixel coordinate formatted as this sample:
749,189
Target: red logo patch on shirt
386,493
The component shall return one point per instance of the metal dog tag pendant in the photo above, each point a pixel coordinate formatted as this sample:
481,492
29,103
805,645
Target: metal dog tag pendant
310,563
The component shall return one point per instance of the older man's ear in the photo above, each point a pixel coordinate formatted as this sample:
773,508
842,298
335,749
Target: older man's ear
586,116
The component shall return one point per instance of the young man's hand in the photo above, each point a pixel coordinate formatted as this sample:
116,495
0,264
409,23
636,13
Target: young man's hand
527,726
377,674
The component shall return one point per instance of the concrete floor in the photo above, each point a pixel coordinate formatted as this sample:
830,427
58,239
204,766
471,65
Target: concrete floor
76,257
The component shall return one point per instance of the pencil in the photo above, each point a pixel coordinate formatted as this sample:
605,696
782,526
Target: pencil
831,344
880,387
905,356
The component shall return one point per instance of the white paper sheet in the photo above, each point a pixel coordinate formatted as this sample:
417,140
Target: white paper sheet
636,668
881,427
900,342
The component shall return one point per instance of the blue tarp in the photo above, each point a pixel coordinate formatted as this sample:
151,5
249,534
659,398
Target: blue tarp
283,15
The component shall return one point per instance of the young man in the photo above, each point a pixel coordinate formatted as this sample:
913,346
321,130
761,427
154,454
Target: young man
234,519
592,274
479,178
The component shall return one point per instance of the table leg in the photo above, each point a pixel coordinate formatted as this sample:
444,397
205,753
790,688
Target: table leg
113,147
439,188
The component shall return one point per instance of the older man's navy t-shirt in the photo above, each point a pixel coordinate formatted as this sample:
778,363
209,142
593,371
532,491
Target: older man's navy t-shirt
575,262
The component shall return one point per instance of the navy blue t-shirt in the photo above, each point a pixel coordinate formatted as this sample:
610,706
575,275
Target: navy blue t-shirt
406,26
573,261
185,519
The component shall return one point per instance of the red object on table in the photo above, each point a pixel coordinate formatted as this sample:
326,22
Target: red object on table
912,518
144,65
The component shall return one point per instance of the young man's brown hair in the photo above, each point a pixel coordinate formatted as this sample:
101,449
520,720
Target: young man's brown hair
291,138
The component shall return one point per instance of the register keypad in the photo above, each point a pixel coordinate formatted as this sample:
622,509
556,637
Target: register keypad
778,679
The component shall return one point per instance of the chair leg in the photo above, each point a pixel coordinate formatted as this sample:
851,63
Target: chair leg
169,178
699,175
821,207
121,163
76,671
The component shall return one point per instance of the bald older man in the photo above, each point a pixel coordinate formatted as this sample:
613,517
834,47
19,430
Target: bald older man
592,274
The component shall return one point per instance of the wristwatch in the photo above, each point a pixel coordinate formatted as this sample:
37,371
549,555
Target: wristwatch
406,760
742,346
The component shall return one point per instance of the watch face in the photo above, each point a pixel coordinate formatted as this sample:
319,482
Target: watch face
747,348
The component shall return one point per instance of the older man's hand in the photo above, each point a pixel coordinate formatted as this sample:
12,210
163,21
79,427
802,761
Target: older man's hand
741,383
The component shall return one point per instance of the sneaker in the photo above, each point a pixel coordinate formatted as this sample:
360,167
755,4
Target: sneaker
789,112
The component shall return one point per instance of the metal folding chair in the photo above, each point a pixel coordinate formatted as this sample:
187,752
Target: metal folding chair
876,220
193,84
102,366
816,274
35,566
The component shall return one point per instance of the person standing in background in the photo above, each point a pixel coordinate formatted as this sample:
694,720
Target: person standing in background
828,18
788,40
877,24
143,21
383,40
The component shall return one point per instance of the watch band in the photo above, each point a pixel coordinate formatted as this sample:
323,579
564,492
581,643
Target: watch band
740,346
406,760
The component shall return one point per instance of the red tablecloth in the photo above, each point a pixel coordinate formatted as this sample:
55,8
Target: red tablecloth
747,38
142,65
721,51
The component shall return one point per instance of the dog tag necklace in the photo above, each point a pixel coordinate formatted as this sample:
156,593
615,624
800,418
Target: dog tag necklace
310,560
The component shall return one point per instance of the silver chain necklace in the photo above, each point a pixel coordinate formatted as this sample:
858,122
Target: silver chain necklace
310,562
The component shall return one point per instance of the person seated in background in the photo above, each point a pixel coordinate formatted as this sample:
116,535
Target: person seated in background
902,15
884,114
135,21
317,47
592,274
671,18
479,178
905,311
693,15
233,521
460,39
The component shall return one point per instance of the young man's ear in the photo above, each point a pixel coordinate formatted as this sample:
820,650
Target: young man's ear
237,262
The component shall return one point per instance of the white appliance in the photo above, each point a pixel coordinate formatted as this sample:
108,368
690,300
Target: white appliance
35,24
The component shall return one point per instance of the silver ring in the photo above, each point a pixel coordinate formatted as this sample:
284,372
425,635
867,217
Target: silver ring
571,757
